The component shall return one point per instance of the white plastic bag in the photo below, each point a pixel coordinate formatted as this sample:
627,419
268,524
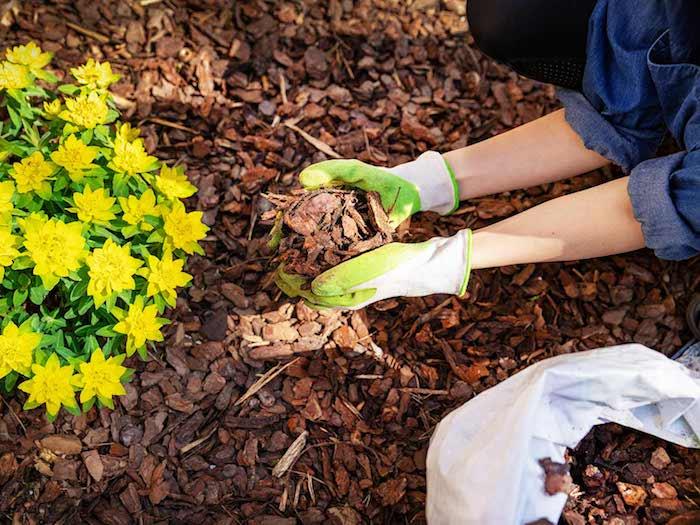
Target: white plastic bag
482,466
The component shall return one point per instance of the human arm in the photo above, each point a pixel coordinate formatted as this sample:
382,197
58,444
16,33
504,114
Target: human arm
591,223
544,150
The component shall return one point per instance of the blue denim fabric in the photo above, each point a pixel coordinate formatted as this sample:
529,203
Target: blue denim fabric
636,86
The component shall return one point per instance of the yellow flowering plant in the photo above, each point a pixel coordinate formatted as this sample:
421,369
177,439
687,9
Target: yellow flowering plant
94,236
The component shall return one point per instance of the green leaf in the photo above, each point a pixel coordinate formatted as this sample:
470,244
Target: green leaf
61,182
13,147
40,356
10,381
106,331
119,185
111,116
68,89
127,375
79,289
37,294
23,280
85,305
19,296
15,119
22,263
102,134
86,136
111,302
156,237
84,331
108,347
89,404
31,406
65,353
156,222
47,76
72,410
160,303
130,231
91,343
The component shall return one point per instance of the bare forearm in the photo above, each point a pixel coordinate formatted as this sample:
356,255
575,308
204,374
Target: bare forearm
544,150
590,223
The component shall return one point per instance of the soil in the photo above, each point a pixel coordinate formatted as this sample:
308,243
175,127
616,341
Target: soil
211,427
320,229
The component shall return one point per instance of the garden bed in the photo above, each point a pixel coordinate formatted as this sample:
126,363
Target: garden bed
245,98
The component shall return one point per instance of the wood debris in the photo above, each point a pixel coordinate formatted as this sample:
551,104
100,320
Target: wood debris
323,228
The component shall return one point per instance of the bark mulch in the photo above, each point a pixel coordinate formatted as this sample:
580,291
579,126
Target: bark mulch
258,410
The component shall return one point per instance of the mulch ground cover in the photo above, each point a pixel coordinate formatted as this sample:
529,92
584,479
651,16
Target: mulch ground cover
259,410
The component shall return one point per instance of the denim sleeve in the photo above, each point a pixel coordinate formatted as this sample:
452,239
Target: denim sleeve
665,193
618,112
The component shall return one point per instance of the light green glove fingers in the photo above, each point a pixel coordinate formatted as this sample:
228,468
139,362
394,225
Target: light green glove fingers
346,276
296,286
400,198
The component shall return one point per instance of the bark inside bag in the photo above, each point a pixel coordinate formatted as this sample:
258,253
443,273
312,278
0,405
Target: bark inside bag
320,229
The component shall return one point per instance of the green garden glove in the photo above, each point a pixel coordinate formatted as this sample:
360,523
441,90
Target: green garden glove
440,265
425,184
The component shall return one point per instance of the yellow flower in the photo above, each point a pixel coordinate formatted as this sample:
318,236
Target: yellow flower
17,345
111,271
8,250
173,183
140,325
135,208
51,385
184,229
52,108
130,157
56,248
164,275
29,55
101,377
93,206
126,132
95,74
7,192
14,76
75,156
31,174
87,110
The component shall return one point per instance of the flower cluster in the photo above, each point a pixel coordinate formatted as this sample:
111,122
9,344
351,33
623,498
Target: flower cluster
93,236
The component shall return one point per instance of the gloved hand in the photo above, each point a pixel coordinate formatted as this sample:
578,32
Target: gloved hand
425,184
440,265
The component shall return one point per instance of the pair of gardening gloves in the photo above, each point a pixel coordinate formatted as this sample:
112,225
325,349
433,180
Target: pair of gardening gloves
439,265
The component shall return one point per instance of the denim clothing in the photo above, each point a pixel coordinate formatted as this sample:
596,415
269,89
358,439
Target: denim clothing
641,79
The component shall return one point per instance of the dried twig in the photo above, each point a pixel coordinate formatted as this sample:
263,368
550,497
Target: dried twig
290,457
168,123
89,33
264,379
316,143
184,450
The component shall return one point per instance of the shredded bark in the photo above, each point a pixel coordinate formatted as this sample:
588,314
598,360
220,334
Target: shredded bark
323,228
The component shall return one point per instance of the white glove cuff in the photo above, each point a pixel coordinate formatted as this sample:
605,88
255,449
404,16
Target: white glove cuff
433,177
